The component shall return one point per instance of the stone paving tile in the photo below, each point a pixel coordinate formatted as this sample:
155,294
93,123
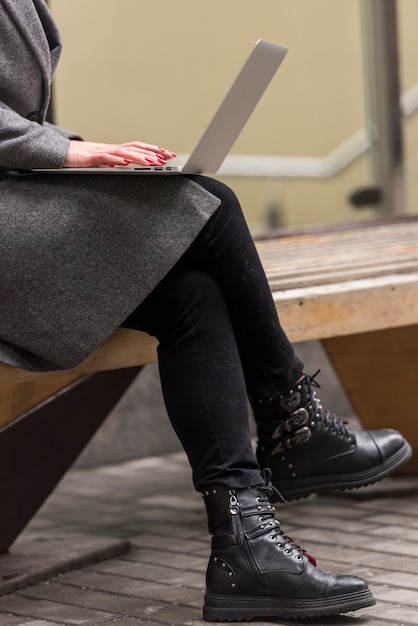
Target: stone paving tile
394,486
9,620
145,571
406,507
392,519
174,614
328,522
394,531
123,621
395,547
396,578
391,614
322,508
393,593
307,536
171,544
133,606
195,532
36,622
167,559
52,611
154,590
172,501
126,621
395,564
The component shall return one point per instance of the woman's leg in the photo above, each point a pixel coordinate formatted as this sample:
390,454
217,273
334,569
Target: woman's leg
254,570
297,437
220,338
226,250
201,375
308,448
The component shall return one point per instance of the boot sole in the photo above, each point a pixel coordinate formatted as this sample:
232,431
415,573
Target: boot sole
219,608
304,487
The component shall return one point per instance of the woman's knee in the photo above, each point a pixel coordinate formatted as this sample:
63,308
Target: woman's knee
192,288
185,294
217,188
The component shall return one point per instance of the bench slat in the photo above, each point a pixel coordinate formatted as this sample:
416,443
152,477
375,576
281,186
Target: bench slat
378,250
312,278
350,307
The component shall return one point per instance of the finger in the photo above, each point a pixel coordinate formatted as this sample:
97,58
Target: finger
108,158
139,156
168,154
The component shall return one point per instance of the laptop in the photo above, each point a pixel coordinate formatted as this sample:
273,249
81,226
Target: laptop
225,126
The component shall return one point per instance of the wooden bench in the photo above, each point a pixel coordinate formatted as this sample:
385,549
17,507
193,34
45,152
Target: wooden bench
354,287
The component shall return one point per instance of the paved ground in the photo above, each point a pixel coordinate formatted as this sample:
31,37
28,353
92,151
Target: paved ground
371,532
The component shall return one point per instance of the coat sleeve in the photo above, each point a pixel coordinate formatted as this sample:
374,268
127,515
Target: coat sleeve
63,131
26,144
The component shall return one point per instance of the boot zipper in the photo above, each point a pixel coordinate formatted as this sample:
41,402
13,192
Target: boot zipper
234,509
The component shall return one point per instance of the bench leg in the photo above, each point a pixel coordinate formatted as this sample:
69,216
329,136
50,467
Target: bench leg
379,371
37,448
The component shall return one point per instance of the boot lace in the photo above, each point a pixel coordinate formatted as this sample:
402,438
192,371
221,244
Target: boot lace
284,542
330,420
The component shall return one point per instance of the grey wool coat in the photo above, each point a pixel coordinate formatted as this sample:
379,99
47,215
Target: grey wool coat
77,253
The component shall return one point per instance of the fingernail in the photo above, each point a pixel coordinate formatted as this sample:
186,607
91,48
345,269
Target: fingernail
168,151
128,161
112,165
149,160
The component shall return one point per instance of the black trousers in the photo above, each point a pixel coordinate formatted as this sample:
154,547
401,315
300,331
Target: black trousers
220,341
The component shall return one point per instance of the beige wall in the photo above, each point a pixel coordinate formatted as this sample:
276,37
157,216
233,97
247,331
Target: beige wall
156,72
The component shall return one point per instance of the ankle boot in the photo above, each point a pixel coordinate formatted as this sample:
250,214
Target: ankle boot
256,571
311,450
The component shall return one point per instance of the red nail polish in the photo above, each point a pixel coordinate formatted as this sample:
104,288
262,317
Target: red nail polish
149,160
128,161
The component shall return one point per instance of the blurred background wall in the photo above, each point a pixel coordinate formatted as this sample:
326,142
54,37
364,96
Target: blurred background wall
157,71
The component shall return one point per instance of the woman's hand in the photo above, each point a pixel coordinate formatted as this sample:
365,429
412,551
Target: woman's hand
90,154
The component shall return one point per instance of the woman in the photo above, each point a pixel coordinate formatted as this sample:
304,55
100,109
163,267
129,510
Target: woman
82,255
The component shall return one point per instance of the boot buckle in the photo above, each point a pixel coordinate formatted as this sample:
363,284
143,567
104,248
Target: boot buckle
299,436
295,421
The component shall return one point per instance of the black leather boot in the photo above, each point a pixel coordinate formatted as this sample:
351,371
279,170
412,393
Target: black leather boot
311,450
256,571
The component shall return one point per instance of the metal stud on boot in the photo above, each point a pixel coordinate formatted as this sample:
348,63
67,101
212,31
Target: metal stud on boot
256,571
311,450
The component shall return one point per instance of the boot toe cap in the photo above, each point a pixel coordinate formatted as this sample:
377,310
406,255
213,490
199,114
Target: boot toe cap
389,442
340,584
